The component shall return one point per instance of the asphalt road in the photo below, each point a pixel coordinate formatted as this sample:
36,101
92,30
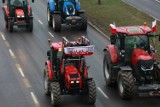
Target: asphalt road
22,57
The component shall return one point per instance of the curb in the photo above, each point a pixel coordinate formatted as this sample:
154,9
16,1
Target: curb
98,30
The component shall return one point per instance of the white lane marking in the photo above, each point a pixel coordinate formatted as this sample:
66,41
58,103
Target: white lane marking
158,1
34,98
20,70
7,44
3,37
100,90
26,82
51,34
11,53
40,22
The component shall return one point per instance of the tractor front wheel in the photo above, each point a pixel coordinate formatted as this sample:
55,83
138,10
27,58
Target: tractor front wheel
91,96
107,69
46,82
49,16
55,94
83,22
56,22
125,85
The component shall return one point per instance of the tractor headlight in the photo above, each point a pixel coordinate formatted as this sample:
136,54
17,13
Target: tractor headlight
146,69
77,82
122,53
72,82
73,12
67,12
22,16
18,16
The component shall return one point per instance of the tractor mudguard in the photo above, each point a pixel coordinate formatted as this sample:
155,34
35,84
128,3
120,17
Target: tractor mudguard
113,53
126,68
78,7
6,10
50,71
81,11
51,4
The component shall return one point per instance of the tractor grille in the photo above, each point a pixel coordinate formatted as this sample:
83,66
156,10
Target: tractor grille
75,85
73,75
146,63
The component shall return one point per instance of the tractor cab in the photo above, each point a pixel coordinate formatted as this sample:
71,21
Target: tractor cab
66,66
130,38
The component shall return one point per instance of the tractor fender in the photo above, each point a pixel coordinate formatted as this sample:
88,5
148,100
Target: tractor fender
50,71
113,53
51,4
6,10
78,7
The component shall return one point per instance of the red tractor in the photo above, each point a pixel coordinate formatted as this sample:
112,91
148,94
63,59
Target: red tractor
18,13
66,72
130,62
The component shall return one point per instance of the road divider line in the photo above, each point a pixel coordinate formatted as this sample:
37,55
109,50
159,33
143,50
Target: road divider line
20,70
40,22
7,44
34,98
3,37
11,53
26,83
51,34
100,90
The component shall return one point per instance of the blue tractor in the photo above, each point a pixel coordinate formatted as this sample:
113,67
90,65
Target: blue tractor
65,12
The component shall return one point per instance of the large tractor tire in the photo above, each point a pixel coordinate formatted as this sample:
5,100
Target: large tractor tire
10,25
30,27
56,22
46,82
55,94
83,22
126,85
91,96
107,69
49,17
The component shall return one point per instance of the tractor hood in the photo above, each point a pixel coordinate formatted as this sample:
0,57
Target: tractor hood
142,57
71,69
19,13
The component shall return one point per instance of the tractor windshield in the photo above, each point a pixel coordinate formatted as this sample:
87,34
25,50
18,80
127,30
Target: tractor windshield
137,41
18,3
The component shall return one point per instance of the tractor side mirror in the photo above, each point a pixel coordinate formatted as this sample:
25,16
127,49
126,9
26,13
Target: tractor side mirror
3,1
159,37
48,53
113,39
32,1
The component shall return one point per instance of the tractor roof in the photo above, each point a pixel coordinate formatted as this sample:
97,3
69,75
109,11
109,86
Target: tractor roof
56,46
133,30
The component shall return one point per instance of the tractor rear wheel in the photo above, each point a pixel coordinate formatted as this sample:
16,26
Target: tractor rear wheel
49,16
56,22
125,85
83,22
91,96
55,94
107,69
46,82
10,25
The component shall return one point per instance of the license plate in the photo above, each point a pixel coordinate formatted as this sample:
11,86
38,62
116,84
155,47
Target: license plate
154,93
74,20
